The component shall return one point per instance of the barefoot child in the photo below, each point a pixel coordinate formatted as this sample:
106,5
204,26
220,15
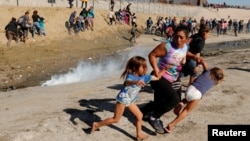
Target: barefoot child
135,78
195,92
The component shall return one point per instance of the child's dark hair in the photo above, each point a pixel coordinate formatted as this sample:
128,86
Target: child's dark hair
133,65
216,74
203,29
35,12
181,28
13,19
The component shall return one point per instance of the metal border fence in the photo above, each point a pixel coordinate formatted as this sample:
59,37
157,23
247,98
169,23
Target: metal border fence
142,6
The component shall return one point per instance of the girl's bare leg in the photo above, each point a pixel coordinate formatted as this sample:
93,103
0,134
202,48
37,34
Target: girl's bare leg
188,108
119,109
10,36
138,114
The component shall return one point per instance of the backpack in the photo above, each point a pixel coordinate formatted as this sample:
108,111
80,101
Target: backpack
23,22
20,20
149,22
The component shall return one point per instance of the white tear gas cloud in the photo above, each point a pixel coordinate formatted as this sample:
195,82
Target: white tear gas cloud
105,67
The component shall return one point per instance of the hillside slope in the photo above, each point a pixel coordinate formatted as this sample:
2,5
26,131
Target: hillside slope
59,51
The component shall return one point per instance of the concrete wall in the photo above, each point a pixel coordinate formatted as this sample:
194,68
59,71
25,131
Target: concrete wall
64,3
36,3
137,6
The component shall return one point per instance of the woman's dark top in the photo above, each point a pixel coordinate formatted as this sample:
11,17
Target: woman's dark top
197,43
11,26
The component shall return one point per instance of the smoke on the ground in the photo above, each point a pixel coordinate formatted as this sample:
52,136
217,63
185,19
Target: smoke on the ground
90,70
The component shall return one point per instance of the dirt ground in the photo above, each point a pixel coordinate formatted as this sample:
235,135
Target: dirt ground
65,112
29,64
62,112
24,66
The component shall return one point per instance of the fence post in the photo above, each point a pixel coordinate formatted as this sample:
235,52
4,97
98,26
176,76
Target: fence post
149,6
136,5
17,2
110,6
120,4
143,5
154,7
51,2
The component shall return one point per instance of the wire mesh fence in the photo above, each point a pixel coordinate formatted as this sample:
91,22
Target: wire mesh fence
142,6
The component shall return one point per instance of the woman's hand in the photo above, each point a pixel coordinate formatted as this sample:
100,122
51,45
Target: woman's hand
156,71
197,58
140,83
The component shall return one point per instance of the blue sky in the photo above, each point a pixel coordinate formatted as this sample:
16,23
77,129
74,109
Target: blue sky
232,2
